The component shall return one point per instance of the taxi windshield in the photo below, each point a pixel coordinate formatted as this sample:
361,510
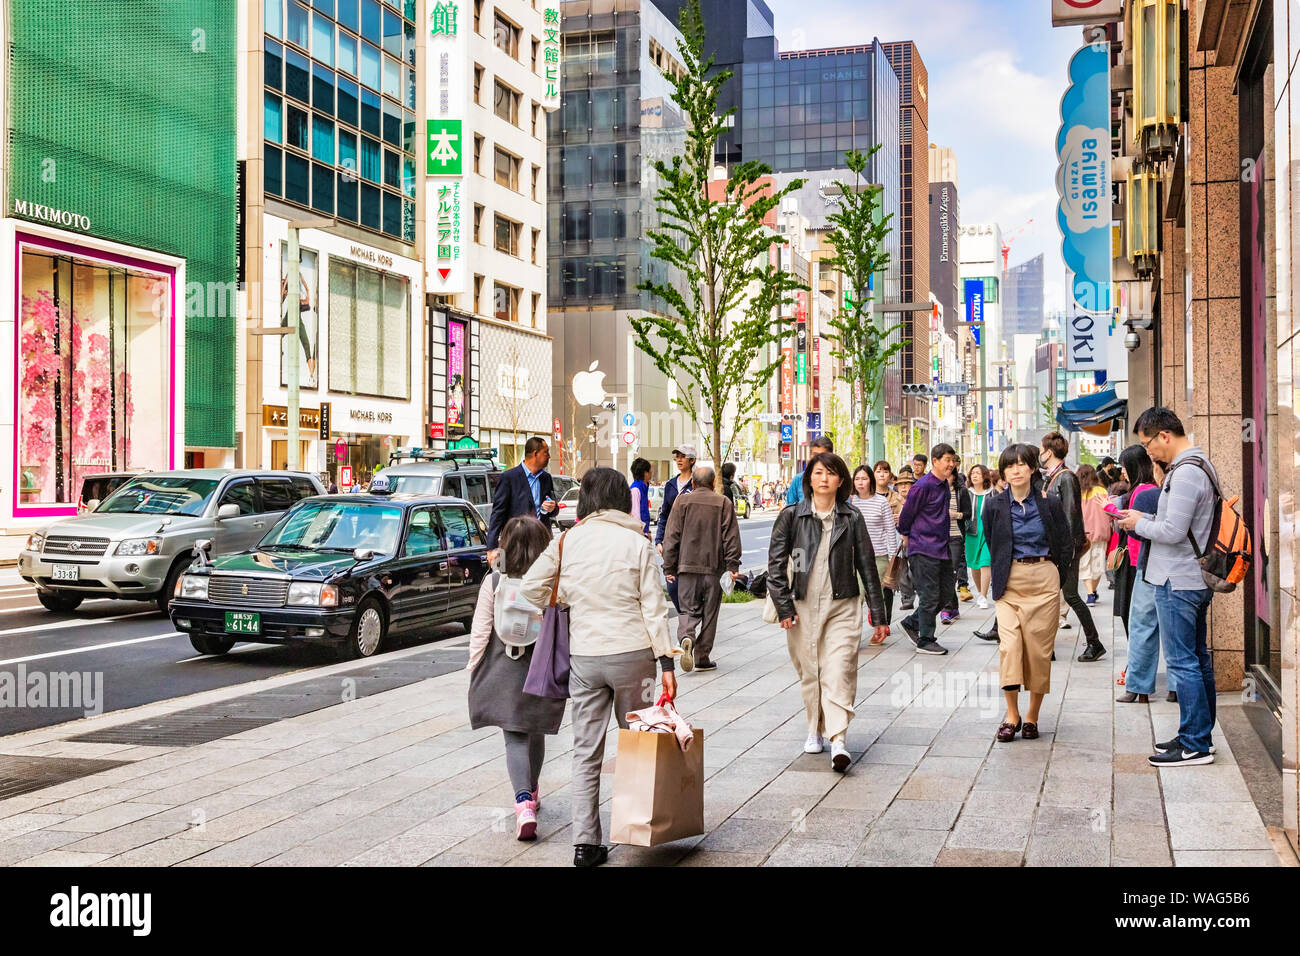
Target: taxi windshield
330,525
161,495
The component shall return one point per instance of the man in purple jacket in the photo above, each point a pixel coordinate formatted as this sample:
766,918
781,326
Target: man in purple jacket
925,521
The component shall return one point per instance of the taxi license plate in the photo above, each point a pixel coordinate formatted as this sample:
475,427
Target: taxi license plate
65,572
243,622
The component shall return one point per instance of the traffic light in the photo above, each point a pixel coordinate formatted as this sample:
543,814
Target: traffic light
917,389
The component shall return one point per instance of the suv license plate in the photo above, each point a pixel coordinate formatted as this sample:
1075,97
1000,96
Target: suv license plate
66,572
243,622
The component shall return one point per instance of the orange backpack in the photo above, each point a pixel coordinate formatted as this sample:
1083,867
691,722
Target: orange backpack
1227,555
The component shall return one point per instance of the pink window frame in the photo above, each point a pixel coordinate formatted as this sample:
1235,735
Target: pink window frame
22,241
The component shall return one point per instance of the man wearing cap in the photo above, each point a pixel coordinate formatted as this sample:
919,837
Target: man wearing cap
684,459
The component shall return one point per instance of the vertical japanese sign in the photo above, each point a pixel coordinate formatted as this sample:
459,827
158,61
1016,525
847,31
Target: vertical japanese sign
551,57
447,138
973,295
816,374
787,380
457,379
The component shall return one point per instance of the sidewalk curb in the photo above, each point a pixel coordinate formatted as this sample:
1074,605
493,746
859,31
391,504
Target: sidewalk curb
16,744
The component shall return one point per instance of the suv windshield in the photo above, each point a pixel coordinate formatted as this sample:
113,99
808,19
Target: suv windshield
414,484
161,495
331,525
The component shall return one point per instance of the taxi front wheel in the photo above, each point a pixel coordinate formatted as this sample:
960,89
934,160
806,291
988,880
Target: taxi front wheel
368,631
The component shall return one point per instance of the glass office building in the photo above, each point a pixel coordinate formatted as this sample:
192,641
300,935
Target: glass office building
339,110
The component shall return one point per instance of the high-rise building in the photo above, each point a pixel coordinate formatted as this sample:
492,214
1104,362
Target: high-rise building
118,180
617,116
943,164
914,218
1022,298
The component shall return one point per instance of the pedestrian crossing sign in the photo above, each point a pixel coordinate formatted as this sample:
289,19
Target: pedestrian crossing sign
444,148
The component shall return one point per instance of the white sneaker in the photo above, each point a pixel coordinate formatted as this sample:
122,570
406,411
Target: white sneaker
839,757
982,603
814,744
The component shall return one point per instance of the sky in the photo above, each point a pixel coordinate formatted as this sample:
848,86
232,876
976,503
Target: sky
997,72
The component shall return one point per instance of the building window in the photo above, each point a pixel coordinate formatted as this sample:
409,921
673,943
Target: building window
478,153
92,341
478,16
505,302
478,294
506,233
506,36
536,46
537,172
478,223
537,241
506,169
537,307
536,110
505,103
369,331
478,82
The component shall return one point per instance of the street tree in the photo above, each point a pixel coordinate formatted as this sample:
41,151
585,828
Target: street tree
726,313
858,231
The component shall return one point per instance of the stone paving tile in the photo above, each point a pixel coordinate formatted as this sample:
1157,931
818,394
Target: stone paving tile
65,858
24,846
920,815
1054,849
109,818
795,852
989,833
166,852
905,754
1215,826
698,857
1144,843
899,848
745,835
950,856
925,786
1226,858
128,837
1003,804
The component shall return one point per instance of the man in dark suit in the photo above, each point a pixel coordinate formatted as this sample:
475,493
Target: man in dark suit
526,490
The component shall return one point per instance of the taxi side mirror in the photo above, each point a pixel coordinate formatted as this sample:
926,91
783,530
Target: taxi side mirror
363,554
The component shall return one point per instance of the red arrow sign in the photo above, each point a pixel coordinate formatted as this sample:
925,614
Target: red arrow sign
444,273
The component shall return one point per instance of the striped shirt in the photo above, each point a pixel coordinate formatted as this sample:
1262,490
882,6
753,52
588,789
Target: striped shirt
1186,501
879,517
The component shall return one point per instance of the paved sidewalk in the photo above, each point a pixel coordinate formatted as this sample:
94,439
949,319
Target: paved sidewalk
398,778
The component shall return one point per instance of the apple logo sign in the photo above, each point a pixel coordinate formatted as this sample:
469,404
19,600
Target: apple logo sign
589,386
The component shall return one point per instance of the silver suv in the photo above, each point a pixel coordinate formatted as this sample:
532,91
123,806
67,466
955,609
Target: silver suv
468,473
140,539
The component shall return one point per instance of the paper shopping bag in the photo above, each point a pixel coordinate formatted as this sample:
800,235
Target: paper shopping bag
658,789
893,572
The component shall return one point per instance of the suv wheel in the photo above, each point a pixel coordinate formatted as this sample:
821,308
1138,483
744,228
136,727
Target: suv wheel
368,631
211,644
59,600
169,585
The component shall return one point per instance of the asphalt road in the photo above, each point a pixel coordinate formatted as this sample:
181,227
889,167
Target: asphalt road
125,654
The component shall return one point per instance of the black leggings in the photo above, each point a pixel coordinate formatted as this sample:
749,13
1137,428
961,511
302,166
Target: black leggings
1071,591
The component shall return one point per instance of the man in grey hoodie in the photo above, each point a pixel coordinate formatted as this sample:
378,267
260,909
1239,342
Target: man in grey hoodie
1176,531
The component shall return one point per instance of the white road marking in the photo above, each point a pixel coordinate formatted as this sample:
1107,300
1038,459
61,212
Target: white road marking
37,607
87,649
78,623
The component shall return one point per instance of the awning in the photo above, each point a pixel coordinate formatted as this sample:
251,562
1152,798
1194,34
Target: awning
1097,413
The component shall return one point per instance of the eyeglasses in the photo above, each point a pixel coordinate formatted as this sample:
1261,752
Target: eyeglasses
1147,444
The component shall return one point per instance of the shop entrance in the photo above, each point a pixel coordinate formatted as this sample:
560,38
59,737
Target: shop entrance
362,453
280,455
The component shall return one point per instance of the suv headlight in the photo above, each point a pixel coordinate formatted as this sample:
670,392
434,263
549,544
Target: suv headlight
194,587
306,594
36,541
139,546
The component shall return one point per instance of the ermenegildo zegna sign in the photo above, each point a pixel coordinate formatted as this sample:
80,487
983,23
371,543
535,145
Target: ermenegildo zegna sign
55,217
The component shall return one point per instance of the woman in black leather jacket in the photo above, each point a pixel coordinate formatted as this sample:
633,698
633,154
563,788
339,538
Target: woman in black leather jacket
820,565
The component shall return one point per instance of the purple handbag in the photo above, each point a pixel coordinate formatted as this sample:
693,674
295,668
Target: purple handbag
548,672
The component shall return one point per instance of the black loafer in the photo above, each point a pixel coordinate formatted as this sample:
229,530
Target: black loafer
991,635
589,854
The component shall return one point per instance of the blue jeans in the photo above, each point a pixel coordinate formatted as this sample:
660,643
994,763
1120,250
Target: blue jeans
1182,616
1143,639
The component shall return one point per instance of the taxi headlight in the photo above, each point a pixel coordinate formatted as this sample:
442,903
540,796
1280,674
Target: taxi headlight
306,594
194,587
139,546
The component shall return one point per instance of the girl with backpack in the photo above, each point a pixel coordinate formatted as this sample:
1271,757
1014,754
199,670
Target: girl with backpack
500,650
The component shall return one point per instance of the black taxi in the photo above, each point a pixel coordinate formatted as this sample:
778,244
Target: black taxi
344,570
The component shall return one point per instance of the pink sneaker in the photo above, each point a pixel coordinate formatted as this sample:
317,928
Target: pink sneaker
537,800
525,821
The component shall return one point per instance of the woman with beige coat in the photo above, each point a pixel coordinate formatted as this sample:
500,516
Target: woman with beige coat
820,564
618,626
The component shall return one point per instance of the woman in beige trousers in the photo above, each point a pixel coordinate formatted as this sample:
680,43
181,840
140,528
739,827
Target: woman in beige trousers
1028,545
820,564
